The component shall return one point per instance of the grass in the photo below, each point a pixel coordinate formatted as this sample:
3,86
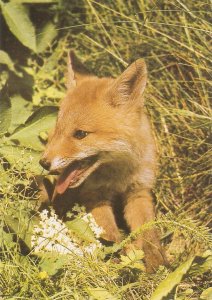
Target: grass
173,38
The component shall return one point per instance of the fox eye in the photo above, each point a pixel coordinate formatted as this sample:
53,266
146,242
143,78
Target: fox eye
80,134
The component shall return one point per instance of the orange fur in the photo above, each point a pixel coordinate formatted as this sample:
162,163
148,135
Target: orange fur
119,135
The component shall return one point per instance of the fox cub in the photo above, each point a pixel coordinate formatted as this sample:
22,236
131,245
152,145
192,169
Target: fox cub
103,152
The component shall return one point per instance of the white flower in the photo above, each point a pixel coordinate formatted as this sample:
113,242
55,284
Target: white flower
44,214
52,235
97,230
92,247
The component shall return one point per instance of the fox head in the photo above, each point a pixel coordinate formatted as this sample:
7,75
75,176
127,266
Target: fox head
98,122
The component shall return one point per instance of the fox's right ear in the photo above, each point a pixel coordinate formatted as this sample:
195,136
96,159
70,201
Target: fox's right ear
128,88
76,70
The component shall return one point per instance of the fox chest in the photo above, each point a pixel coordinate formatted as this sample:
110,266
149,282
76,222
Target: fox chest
112,178
106,182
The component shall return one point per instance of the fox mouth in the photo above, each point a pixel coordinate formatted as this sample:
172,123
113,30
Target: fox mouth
75,173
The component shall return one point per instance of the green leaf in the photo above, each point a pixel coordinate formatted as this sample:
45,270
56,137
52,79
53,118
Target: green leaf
5,111
17,19
133,259
6,238
20,155
53,262
22,224
27,135
101,294
81,229
111,249
21,110
207,294
45,38
201,264
6,60
5,176
51,63
174,278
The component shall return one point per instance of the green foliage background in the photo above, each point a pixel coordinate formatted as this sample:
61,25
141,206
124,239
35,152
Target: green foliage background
173,38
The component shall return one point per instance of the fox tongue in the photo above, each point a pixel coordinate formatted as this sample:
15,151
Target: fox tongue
65,180
71,175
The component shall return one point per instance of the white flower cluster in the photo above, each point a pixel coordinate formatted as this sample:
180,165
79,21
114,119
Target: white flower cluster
98,231
51,235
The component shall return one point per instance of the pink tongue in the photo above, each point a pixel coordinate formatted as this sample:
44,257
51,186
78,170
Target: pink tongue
64,181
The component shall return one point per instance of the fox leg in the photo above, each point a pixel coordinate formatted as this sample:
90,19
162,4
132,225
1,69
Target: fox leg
104,217
137,211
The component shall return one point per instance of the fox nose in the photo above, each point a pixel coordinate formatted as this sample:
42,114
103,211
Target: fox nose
45,163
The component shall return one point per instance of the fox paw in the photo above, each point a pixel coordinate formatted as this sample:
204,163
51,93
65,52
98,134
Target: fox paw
154,257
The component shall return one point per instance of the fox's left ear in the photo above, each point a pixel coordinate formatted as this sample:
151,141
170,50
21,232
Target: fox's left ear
76,70
130,85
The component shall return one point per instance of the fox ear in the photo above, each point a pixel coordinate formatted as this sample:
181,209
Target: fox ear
76,70
130,85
